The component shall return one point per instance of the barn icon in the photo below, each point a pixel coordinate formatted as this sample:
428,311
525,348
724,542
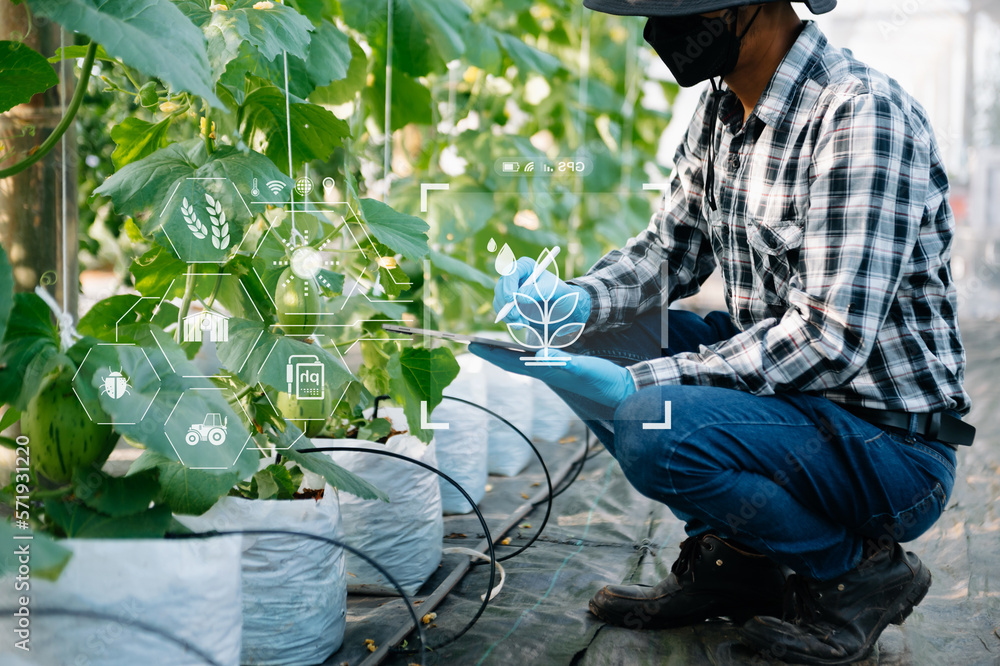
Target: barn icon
206,326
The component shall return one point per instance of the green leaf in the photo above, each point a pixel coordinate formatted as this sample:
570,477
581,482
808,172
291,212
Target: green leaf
48,557
79,51
149,183
156,270
316,132
79,522
461,269
272,31
9,418
136,139
275,481
6,291
186,491
420,375
329,55
115,496
255,354
374,430
411,101
224,44
197,11
346,88
403,233
30,350
152,36
427,34
320,463
107,319
331,284
313,9
527,58
428,372
482,49
24,73
168,398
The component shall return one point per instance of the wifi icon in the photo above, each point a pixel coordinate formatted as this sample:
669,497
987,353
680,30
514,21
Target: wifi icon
276,186
530,167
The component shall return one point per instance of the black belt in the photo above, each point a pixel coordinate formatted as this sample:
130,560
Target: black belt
936,426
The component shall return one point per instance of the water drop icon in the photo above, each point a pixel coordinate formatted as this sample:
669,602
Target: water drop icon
506,261
492,245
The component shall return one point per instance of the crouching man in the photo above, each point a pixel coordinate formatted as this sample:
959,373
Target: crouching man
813,426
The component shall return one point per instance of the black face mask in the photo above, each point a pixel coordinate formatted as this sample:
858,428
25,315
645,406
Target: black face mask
696,48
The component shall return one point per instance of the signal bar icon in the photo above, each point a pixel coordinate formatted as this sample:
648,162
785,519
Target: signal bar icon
548,168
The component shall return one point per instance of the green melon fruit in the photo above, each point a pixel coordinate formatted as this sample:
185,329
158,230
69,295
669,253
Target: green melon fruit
297,301
63,437
309,416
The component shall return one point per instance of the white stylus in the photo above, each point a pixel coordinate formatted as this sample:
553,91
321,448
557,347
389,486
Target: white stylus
535,274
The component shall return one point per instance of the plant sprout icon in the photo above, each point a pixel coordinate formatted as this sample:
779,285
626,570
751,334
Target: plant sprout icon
545,329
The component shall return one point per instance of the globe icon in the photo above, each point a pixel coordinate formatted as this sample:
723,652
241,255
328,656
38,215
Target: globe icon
303,186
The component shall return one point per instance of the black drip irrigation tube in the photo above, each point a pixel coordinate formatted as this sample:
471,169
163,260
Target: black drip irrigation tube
334,542
548,478
479,514
424,647
493,559
128,622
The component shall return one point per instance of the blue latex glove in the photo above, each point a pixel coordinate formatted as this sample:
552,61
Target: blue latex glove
546,284
596,378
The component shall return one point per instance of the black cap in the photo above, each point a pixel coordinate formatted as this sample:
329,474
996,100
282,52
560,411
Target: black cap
687,7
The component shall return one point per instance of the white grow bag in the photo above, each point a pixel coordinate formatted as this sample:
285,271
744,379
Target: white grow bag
294,588
553,417
404,535
511,397
189,589
462,448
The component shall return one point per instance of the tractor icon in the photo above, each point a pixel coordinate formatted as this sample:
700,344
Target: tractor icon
212,430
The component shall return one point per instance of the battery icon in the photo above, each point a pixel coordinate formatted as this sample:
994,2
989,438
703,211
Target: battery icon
510,167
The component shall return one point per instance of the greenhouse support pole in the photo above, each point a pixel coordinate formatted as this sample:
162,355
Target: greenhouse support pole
35,227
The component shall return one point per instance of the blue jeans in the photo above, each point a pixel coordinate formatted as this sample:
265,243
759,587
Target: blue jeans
793,475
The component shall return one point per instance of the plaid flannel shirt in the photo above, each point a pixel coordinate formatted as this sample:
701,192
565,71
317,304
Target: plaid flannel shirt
833,233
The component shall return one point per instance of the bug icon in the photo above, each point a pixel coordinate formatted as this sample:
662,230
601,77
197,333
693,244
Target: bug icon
115,384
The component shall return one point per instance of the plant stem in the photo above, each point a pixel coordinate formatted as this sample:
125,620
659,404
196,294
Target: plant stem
206,132
128,75
55,492
186,302
215,291
245,391
74,106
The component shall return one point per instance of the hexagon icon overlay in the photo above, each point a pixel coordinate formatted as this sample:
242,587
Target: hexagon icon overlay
114,383
199,220
201,434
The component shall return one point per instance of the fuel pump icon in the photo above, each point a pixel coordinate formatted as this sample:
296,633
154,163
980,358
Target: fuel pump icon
304,374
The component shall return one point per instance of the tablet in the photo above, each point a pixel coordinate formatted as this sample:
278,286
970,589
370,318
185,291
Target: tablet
455,337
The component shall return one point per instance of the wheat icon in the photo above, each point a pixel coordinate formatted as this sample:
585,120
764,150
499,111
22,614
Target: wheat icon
198,230
220,228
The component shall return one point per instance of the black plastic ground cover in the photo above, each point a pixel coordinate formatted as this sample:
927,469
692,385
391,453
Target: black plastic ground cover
602,531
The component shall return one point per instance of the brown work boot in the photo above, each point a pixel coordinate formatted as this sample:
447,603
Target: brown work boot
838,621
711,578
